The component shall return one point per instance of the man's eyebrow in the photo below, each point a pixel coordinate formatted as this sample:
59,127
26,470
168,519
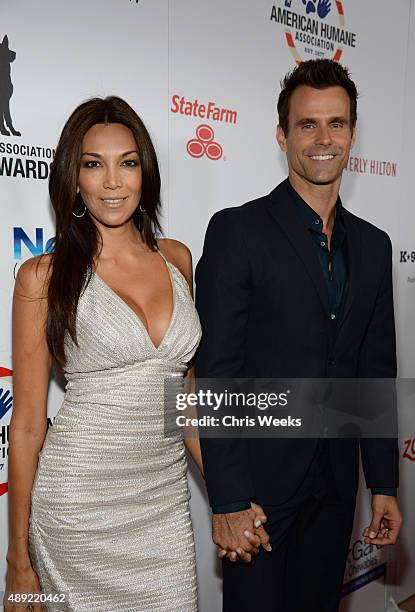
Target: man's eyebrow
339,120
305,120
92,154
336,119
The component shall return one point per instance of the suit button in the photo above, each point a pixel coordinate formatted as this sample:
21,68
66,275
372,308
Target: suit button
331,362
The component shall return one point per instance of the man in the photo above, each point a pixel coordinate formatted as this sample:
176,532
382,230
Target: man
294,285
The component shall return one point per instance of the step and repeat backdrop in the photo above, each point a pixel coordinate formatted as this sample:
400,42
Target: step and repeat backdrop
204,77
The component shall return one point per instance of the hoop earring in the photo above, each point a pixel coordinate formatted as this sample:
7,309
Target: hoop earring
81,215
141,209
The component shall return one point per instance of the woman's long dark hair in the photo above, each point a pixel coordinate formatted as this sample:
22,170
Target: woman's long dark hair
77,240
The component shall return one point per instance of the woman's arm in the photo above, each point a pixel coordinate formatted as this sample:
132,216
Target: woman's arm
31,367
181,257
191,434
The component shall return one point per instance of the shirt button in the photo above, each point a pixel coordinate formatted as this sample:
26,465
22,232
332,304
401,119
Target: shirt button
332,316
317,221
322,243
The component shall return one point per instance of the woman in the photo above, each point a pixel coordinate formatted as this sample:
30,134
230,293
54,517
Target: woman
103,517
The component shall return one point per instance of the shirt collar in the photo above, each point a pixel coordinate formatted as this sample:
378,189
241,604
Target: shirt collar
310,218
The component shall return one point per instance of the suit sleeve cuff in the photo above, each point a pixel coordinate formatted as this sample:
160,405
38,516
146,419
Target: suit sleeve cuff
232,507
393,492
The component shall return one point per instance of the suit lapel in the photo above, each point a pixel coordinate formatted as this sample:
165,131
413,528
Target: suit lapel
284,212
354,261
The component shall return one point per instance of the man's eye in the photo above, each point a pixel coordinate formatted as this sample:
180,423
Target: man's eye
307,126
337,124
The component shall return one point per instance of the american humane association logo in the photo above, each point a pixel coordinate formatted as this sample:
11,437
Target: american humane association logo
313,28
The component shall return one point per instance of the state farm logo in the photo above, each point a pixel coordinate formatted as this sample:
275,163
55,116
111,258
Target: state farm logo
409,450
204,144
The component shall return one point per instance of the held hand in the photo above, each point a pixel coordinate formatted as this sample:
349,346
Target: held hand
21,581
260,516
386,521
254,534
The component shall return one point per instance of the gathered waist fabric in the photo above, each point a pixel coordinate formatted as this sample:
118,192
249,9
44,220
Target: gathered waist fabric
134,386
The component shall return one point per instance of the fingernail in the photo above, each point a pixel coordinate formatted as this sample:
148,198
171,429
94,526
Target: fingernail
372,534
239,551
257,523
268,547
247,534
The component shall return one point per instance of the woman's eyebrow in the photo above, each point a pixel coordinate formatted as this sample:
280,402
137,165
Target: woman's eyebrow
92,154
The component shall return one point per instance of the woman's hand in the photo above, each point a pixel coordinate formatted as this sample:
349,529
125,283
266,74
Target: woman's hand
260,519
22,580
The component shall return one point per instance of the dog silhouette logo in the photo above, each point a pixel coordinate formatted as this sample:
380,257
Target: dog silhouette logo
6,89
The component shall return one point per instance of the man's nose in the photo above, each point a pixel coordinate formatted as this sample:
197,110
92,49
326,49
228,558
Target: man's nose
323,135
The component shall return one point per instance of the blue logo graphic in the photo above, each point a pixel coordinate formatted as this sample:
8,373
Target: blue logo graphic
323,7
287,3
363,580
6,401
37,248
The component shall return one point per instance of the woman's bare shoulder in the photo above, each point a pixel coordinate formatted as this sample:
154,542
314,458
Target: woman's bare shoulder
33,276
178,254
175,250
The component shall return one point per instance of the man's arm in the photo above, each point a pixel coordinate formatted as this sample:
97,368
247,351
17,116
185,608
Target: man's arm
380,457
223,285
222,301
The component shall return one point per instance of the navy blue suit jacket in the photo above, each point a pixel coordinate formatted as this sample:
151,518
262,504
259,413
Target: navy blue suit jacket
263,305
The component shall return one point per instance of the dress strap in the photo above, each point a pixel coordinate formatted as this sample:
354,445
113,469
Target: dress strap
163,256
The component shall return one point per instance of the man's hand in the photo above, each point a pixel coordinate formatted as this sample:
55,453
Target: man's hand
240,534
386,521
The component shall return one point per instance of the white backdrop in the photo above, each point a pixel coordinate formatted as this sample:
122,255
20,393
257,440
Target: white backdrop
183,64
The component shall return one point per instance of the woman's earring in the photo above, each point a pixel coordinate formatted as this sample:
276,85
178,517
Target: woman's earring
141,209
83,212
81,215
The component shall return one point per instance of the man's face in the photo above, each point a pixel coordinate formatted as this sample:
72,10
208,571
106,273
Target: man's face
319,136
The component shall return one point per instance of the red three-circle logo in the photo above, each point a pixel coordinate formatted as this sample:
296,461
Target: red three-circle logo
204,144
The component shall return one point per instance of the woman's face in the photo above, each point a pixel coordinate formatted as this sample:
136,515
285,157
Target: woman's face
110,174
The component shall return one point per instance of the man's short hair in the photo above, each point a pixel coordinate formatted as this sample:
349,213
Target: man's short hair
320,74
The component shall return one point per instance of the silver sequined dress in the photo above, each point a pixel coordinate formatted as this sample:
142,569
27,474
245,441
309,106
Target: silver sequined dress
110,524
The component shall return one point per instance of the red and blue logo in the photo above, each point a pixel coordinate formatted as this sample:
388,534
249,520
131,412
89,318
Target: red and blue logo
314,28
6,403
6,398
